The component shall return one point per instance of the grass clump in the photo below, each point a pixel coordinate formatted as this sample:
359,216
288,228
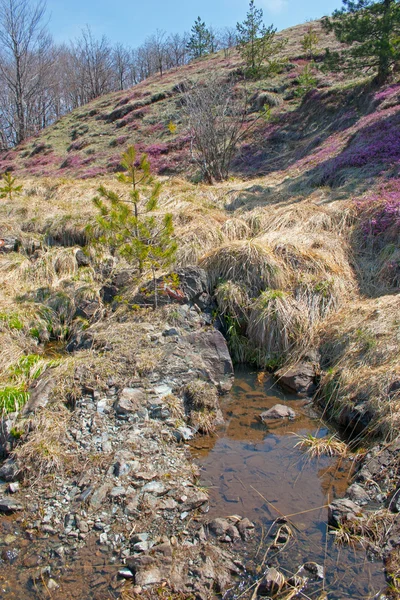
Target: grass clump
324,446
277,325
202,407
249,263
13,398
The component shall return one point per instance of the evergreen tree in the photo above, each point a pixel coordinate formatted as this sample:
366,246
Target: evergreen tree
9,188
200,40
129,226
257,43
310,41
372,29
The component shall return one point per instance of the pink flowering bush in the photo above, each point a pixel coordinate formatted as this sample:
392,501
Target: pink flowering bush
380,212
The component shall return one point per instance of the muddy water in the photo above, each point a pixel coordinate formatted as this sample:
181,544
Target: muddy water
258,472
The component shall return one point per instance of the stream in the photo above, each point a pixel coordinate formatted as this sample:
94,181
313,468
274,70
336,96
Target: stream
256,471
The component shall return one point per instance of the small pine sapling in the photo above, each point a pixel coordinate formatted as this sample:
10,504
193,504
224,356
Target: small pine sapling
129,226
9,188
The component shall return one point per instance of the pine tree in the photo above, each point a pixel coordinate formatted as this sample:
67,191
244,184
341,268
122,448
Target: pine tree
129,226
372,29
310,41
257,43
9,188
200,41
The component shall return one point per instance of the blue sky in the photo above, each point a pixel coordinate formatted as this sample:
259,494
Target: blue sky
131,21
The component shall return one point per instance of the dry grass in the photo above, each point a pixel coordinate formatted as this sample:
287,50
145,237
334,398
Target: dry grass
277,324
371,531
201,404
247,262
361,354
325,446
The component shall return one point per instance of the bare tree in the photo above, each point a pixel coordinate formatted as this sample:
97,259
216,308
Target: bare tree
23,38
216,114
94,59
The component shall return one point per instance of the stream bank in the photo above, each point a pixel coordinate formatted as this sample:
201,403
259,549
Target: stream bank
103,497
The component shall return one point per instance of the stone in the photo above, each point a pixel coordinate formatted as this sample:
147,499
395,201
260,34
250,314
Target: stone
9,471
343,510
39,395
99,496
130,400
195,499
154,487
52,585
82,259
211,347
218,527
9,244
170,332
117,492
272,582
8,505
246,528
7,440
125,573
357,494
13,488
279,411
301,378
314,569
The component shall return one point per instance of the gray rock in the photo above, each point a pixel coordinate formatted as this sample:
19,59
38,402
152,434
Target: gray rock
314,569
154,487
357,494
218,527
13,488
82,259
271,583
279,411
125,573
130,400
8,505
99,496
343,510
300,379
9,244
212,357
10,471
39,395
246,528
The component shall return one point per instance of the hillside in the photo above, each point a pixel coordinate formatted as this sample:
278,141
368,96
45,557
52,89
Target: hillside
295,259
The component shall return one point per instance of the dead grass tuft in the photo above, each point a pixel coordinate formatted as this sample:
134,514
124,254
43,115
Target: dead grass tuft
249,262
326,446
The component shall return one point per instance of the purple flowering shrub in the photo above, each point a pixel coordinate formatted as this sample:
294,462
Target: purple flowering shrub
379,212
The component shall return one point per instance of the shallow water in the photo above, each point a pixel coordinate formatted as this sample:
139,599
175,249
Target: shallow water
258,472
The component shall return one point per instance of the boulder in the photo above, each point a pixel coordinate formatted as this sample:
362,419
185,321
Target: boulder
301,378
279,411
211,357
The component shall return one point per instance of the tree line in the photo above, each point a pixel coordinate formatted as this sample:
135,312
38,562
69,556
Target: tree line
40,81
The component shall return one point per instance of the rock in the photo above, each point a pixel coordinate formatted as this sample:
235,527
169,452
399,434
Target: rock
83,340
279,411
246,528
90,310
8,505
9,471
13,488
147,570
343,510
130,400
154,487
170,332
7,439
139,537
194,500
108,293
183,434
312,568
125,573
215,362
272,582
9,244
39,395
218,527
52,585
99,496
82,259
357,494
300,379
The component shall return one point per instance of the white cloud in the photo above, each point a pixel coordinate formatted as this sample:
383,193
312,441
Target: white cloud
275,6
